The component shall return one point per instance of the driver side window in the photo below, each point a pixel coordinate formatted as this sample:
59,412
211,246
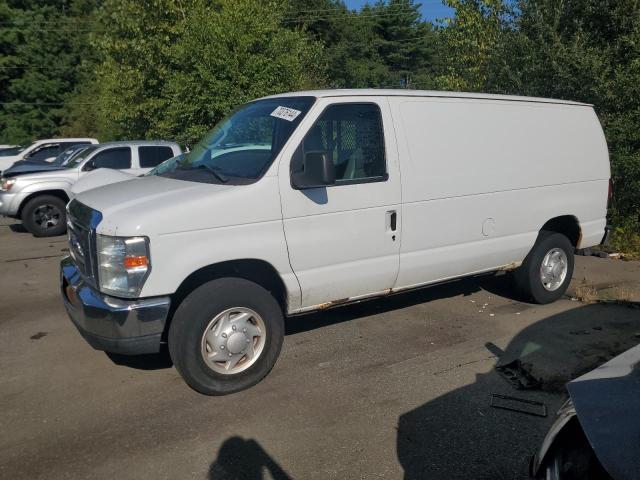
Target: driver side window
116,158
351,134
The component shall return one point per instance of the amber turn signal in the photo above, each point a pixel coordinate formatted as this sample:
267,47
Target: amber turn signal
135,262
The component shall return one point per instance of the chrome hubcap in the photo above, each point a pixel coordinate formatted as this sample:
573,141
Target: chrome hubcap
47,216
233,340
553,270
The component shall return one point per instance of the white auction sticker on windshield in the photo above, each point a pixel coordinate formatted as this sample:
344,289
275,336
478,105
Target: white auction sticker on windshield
286,113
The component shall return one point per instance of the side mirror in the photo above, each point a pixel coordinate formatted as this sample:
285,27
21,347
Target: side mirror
317,171
89,166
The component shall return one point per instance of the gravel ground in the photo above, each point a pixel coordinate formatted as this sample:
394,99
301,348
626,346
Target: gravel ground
391,388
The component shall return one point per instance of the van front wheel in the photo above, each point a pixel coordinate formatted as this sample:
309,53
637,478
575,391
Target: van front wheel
226,336
546,272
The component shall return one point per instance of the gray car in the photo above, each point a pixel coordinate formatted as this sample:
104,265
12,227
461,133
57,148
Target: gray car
596,435
39,198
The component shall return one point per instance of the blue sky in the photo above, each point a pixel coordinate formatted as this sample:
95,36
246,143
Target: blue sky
431,9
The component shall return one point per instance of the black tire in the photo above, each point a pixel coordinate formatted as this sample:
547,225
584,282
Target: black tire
528,276
192,318
45,216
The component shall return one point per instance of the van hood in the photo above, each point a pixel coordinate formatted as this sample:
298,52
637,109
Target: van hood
153,205
99,178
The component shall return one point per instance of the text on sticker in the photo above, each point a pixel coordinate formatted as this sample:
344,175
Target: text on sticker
285,113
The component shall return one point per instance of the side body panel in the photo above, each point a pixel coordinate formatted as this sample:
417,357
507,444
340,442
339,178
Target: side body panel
481,177
339,238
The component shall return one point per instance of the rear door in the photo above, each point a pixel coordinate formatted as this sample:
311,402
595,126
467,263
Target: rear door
150,156
343,240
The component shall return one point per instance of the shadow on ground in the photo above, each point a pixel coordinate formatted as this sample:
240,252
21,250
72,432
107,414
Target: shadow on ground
152,361
496,284
459,436
240,459
18,228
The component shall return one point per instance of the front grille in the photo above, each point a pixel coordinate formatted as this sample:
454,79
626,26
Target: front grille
81,228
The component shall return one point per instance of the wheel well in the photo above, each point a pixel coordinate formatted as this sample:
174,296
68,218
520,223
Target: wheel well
257,271
575,451
567,225
61,194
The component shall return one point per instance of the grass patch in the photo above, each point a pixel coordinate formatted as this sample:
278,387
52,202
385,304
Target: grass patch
586,293
626,240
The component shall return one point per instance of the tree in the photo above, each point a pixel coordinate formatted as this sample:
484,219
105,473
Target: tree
406,43
38,66
585,50
384,45
134,49
466,43
227,56
348,39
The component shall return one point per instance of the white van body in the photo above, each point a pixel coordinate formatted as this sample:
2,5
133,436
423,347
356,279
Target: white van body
471,180
101,177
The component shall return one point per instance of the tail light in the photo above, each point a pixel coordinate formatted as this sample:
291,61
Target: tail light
610,194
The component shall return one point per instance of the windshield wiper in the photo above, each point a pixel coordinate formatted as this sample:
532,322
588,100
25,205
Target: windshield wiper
214,171
226,146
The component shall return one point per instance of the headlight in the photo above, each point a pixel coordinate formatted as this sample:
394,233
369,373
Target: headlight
123,264
6,184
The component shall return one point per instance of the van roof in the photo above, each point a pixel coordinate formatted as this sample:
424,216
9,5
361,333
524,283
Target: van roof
379,92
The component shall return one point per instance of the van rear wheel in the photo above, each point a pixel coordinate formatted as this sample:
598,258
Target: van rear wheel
226,336
546,272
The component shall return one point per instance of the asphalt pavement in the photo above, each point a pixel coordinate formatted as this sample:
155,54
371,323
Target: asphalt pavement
392,388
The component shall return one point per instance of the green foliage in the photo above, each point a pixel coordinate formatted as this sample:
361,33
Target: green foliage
625,238
172,68
384,45
227,57
135,59
467,42
41,46
586,50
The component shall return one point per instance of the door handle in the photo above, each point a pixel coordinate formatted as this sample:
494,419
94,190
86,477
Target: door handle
393,220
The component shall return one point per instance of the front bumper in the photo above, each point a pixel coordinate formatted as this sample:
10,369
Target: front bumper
129,327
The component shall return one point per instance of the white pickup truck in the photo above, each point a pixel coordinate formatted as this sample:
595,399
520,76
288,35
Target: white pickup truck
42,151
308,200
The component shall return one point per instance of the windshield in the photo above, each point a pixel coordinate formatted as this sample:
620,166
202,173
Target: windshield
242,146
67,155
78,159
10,152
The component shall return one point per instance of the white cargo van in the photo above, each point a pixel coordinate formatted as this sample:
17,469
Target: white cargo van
308,200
